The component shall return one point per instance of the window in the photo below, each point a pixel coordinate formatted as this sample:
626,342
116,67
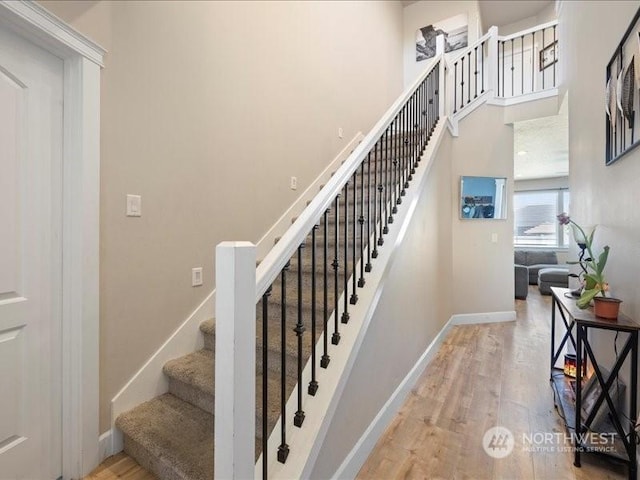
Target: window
535,223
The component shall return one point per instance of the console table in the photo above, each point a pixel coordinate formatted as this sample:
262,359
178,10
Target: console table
569,403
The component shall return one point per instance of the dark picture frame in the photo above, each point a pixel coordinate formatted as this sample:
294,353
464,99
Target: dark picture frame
622,132
548,55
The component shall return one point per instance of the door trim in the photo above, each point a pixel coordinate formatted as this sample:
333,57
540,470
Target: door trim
80,226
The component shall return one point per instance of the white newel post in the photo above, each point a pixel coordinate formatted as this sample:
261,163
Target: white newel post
443,90
493,60
235,364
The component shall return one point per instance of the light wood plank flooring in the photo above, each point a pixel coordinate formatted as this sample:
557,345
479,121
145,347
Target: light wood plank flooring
484,375
120,466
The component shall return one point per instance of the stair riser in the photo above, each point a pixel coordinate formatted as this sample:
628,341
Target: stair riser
159,468
192,395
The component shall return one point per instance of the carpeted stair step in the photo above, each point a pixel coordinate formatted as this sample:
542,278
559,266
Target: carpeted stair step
170,437
191,378
208,329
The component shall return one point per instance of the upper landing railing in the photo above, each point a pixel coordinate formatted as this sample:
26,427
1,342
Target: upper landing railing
512,67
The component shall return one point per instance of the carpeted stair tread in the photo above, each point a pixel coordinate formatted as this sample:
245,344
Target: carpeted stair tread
171,438
191,378
208,329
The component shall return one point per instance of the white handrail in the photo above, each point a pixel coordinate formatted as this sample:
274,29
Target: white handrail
522,33
475,44
276,259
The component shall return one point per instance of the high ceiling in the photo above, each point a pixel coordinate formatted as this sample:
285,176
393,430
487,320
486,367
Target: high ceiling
501,12
546,143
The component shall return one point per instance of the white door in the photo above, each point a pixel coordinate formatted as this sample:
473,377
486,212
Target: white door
30,260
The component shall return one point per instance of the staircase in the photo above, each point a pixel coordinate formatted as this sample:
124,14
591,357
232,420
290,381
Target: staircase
172,435
311,279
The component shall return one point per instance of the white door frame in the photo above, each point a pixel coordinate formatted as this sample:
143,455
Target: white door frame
80,226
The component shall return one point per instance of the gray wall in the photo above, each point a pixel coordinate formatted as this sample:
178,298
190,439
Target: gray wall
208,108
414,307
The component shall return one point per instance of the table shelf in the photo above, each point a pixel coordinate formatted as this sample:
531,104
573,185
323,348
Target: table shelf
567,399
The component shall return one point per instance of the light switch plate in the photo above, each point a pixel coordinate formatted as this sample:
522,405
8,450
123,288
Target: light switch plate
134,206
196,276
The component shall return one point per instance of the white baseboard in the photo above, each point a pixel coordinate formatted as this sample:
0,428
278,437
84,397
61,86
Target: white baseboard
487,317
364,446
149,381
105,446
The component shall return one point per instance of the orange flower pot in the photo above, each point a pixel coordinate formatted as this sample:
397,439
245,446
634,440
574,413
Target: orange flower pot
606,307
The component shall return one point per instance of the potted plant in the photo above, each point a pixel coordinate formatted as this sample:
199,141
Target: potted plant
595,287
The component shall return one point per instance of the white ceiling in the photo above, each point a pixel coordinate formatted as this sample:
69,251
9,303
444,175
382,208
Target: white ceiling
546,143
501,12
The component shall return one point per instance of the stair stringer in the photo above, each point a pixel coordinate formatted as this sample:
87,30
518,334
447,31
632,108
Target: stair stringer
305,442
150,381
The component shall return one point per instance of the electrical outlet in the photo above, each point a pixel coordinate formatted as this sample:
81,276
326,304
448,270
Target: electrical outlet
340,132
294,183
134,206
196,276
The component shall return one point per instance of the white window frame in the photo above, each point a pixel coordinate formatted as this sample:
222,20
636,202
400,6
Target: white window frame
562,234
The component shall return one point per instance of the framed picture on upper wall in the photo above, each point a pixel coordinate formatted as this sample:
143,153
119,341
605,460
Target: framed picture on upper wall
454,29
548,55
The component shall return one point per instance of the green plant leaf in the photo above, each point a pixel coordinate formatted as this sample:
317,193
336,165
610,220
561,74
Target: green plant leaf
586,297
590,282
602,260
590,239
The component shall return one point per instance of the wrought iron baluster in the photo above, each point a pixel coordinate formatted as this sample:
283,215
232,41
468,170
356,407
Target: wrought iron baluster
283,449
462,83
377,192
335,338
482,58
475,72
455,86
387,174
503,79
265,383
395,163
324,361
313,384
299,329
345,280
555,52
469,78
543,73
533,68
368,267
513,68
361,221
354,222
522,63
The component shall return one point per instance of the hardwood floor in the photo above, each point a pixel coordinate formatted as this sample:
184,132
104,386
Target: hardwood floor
483,376
120,466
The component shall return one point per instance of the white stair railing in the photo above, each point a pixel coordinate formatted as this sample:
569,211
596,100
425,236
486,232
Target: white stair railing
382,166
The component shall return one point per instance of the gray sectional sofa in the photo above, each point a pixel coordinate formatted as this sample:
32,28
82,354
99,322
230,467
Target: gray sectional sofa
527,265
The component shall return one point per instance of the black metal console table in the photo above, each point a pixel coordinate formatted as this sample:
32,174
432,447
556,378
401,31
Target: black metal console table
568,402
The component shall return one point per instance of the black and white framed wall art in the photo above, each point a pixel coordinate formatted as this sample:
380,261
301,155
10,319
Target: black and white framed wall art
455,31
